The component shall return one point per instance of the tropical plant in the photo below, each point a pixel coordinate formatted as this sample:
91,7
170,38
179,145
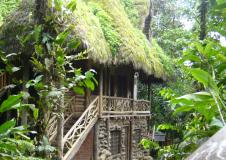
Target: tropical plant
197,115
14,140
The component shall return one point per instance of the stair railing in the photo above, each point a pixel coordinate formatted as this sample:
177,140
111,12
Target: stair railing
79,131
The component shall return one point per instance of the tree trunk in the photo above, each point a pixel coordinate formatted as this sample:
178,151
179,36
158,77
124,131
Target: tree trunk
60,126
41,10
203,12
25,80
147,22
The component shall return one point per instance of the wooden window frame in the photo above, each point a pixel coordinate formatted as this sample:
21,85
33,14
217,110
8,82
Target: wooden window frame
116,139
137,135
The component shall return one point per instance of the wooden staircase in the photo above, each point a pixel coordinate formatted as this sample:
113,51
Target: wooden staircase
78,132
79,120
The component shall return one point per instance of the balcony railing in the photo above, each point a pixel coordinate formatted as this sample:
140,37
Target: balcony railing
117,106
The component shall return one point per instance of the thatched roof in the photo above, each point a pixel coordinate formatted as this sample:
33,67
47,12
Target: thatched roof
106,32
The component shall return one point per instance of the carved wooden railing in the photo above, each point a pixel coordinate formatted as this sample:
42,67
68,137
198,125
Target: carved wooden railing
79,131
117,106
52,124
141,105
3,80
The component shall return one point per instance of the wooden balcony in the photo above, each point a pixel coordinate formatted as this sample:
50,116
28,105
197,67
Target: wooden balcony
124,107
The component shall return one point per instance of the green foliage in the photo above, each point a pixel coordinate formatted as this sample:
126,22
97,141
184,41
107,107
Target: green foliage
149,144
165,59
12,102
164,127
45,147
6,6
171,153
195,109
14,144
172,42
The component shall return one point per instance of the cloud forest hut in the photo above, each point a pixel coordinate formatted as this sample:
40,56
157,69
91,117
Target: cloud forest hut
110,122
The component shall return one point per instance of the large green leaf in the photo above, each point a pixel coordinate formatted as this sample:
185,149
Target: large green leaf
201,102
216,122
191,57
189,99
206,109
79,90
7,125
74,44
61,38
183,109
12,102
89,84
204,78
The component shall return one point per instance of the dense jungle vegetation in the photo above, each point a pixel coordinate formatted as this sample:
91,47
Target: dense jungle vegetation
188,106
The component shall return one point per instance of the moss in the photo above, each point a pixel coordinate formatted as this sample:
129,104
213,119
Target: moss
110,33
88,29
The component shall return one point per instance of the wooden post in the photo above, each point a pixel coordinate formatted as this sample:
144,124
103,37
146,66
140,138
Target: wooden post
135,85
149,91
25,80
131,139
101,89
150,97
87,91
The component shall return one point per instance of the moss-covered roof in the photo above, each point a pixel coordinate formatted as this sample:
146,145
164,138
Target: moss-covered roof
106,32
119,33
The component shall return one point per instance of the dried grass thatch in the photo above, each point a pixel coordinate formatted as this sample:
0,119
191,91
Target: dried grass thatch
133,48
